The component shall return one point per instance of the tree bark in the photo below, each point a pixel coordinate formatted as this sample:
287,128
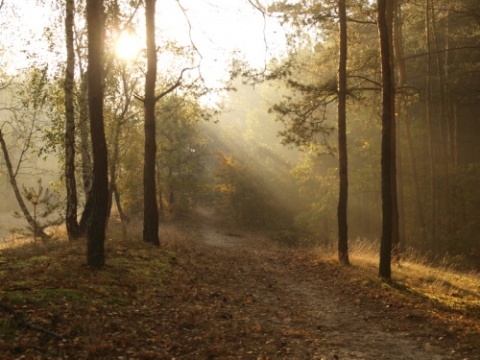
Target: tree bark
70,182
113,165
395,181
428,115
388,144
121,120
86,156
85,145
124,219
342,138
16,190
150,207
97,224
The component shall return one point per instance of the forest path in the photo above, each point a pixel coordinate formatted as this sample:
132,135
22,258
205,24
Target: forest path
250,299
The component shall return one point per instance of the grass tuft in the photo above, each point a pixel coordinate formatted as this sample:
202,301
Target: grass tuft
441,284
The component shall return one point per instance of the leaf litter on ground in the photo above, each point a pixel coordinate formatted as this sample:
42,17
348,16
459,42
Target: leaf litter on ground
208,294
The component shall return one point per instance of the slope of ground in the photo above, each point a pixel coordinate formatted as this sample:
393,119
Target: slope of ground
214,294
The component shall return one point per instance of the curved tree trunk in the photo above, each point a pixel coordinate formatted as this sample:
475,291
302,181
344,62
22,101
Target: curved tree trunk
16,190
86,214
124,219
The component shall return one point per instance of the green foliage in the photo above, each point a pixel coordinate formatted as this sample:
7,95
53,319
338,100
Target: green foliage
181,148
180,154
317,183
130,169
240,193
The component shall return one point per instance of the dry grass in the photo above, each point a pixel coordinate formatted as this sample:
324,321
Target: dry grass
441,284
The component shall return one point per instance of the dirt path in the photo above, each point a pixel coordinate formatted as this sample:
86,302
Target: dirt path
250,300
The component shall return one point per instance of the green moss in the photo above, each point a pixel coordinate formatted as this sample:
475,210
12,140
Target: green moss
368,283
24,284
39,259
67,294
117,301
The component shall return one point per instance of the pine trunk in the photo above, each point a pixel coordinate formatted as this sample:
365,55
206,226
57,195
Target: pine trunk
97,224
388,142
431,153
342,139
150,208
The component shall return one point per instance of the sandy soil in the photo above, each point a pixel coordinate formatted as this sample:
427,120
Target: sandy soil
264,302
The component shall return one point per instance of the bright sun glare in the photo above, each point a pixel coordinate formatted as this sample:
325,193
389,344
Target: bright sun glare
128,46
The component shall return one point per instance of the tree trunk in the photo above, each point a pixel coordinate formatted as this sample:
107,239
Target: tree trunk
97,224
390,6
113,166
16,190
342,139
86,213
86,157
388,143
120,122
150,208
428,115
85,146
123,217
70,182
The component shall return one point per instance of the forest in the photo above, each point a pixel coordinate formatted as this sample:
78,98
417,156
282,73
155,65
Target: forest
154,146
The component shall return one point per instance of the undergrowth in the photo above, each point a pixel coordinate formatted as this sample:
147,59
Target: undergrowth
441,286
438,294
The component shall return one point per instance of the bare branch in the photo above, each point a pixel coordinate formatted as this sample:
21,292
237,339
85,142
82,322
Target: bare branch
472,47
190,29
356,21
366,79
257,6
174,86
